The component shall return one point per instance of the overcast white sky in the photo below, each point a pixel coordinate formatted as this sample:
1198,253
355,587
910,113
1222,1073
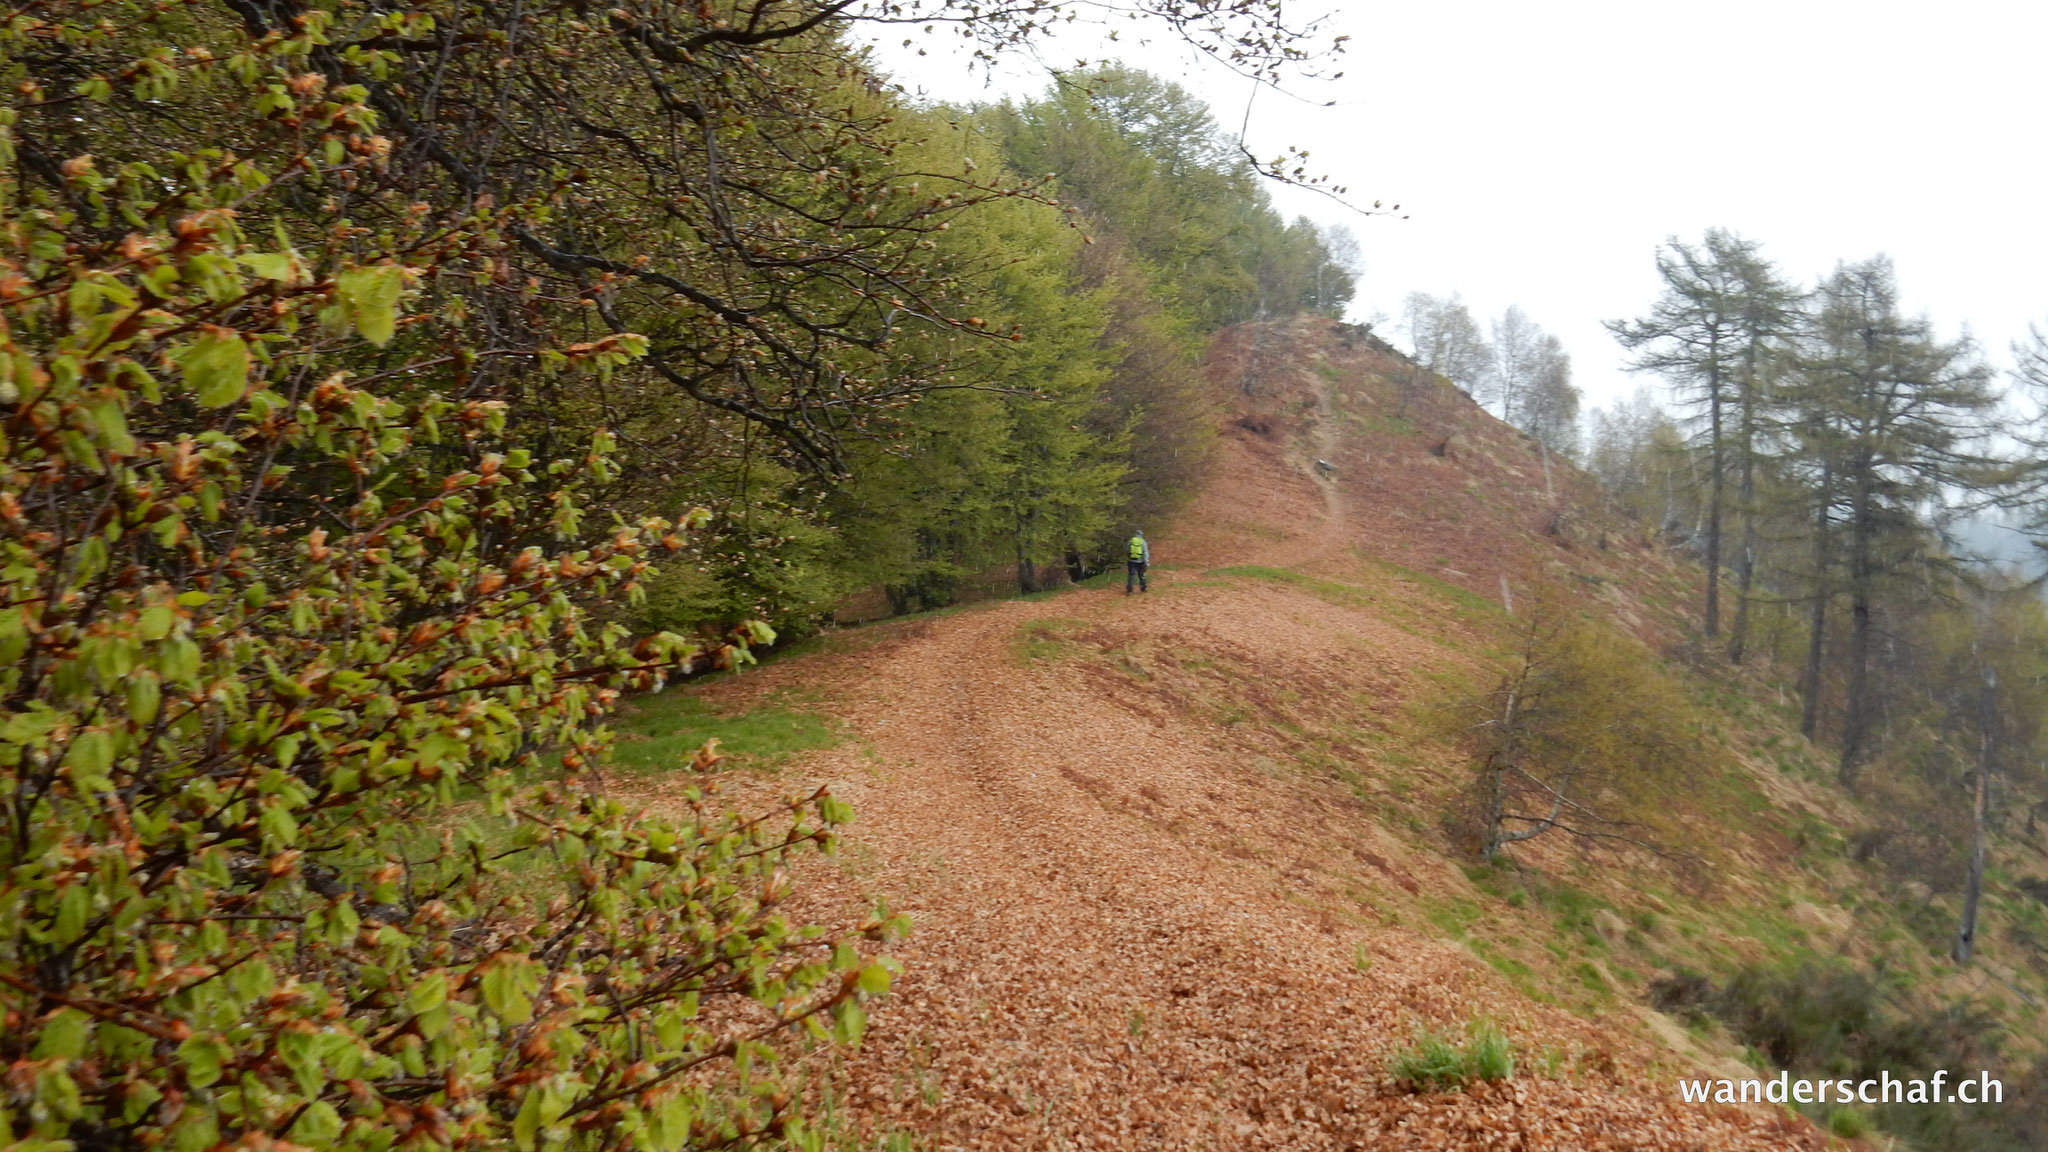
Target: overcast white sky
1541,153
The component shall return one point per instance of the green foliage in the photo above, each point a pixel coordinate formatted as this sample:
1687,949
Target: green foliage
1056,480
1155,396
768,557
1438,1062
286,635
1019,457
355,365
1144,160
1829,1017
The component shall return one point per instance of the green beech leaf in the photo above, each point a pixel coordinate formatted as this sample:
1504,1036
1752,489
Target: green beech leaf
369,299
874,979
216,368
64,1035
203,1057
430,993
318,1125
90,757
145,696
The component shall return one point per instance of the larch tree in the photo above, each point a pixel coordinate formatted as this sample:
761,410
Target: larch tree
1892,419
2030,489
1709,335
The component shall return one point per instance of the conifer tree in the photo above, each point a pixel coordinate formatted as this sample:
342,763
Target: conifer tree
1709,334
1891,420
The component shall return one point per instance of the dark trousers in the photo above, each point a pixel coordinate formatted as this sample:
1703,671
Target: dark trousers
1134,573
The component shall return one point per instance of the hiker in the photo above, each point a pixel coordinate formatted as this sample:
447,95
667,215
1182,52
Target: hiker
1134,569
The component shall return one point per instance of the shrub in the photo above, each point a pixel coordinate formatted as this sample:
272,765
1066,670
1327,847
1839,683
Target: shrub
1582,735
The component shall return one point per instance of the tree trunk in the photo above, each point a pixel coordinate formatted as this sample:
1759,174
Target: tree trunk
1862,574
1027,573
1973,889
1809,680
1493,797
1715,484
1856,717
1745,573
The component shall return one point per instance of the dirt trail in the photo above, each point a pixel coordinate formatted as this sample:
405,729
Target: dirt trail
1117,942
1131,929
1335,531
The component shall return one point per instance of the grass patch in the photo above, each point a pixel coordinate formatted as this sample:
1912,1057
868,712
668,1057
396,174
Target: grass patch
1469,603
664,731
1502,963
1329,591
1048,639
1454,917
1436,1062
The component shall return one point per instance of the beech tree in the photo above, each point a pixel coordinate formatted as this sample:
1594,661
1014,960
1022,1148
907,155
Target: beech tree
1142,158
286,652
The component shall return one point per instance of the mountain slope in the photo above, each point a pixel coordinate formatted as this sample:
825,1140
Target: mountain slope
1168,856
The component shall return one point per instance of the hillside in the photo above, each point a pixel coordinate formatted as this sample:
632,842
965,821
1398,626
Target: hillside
412,421
1177,863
